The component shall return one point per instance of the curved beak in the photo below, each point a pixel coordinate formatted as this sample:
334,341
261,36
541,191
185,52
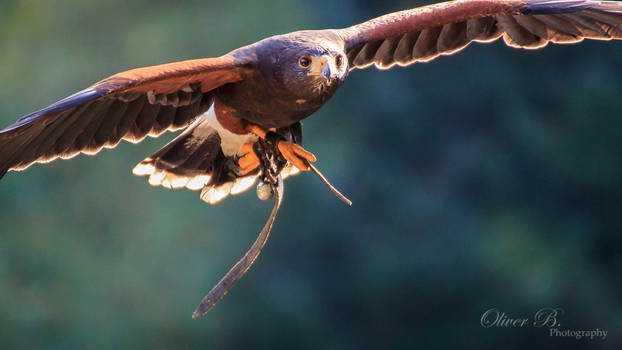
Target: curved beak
323,66
326,71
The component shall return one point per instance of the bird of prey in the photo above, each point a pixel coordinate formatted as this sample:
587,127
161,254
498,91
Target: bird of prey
241,112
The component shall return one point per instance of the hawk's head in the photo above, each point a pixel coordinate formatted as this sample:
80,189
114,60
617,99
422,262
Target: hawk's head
308,66
321,68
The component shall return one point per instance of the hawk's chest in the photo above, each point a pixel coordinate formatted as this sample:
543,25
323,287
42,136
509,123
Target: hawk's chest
260,102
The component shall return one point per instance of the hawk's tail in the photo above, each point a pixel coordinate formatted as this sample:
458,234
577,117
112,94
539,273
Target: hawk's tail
204,157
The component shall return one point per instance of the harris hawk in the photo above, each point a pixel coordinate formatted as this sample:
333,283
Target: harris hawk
241,112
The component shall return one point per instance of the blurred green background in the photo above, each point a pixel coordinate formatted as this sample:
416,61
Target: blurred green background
491,178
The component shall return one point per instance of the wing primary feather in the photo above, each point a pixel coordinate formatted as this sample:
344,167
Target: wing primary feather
590,29
445,28
45,143
384,53
425,48
184,114
610,19
129,117
559,24
73,126
128,113
403,51
533,25
95,117
146,119
452,38
106,129
483,29
367,53
164,119
47,140
517,36
74,100
352,54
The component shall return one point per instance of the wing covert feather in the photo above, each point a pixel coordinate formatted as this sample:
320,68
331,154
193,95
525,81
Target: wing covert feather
427,32
130,106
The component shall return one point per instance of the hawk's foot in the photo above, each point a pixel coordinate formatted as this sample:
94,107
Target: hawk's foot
292,152
296,155
249,161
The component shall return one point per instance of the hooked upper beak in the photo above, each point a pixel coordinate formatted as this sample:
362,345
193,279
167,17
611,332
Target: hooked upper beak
324,66
326,71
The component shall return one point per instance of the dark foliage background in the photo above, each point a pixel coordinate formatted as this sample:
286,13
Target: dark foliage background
486,179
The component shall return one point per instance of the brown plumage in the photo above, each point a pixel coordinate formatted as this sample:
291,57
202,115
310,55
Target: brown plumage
263,84
422,34
229,104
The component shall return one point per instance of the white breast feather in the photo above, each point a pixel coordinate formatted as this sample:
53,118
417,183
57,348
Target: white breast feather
230,142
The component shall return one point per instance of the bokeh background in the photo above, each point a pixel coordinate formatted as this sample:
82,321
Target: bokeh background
491,178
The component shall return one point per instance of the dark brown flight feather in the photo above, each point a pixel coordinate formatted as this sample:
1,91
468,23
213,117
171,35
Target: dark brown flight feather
422,34
263,84
129,106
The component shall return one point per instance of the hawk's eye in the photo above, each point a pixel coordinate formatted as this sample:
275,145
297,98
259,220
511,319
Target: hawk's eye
304,61
339,61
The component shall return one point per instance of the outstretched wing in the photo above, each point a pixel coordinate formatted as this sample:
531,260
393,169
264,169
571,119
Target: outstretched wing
422,34
128,106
